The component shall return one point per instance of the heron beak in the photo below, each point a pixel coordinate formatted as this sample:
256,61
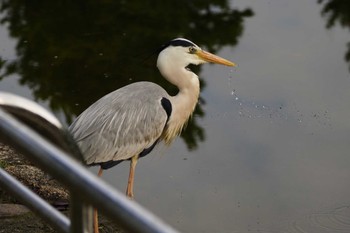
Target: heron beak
209,57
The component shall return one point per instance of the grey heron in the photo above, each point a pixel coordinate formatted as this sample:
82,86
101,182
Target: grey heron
126,124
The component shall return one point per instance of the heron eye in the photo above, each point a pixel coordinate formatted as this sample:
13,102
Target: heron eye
192,49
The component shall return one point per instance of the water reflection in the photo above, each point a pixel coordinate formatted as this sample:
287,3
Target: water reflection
329,220
337,11
276,153
72,53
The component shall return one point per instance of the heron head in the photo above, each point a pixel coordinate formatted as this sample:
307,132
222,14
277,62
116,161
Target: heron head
182,52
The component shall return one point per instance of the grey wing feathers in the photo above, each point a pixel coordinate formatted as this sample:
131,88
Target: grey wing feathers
121,124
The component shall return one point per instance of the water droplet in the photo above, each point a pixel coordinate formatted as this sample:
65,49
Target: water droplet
236,98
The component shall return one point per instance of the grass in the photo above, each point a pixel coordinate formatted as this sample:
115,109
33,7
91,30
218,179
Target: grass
3,164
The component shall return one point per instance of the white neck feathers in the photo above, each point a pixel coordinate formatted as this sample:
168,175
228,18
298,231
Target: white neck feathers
172,67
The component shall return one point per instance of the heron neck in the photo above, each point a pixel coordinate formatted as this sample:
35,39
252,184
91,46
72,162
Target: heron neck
188,84
183,103
188,94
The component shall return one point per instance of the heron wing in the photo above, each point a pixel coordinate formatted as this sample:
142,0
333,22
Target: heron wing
121,124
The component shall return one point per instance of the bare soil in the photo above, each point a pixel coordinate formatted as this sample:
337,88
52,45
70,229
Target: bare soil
16,218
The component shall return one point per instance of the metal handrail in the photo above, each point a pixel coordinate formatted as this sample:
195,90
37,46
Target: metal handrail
34,202
67,170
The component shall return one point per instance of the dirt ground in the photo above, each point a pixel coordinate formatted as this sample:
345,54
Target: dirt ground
16,218
29,223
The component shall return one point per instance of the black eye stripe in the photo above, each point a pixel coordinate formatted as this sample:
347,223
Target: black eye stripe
179,42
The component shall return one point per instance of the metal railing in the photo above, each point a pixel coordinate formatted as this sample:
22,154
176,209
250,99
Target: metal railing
86,189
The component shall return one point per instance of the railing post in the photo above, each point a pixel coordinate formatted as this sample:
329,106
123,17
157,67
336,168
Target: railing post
81,215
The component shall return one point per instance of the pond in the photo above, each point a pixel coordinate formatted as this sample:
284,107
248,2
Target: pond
268,147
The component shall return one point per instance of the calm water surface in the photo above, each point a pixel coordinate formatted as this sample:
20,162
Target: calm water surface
268,148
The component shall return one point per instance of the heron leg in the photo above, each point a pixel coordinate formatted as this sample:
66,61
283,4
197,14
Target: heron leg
95,210
130,188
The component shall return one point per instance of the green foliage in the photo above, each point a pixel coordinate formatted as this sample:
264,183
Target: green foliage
337,11
3,164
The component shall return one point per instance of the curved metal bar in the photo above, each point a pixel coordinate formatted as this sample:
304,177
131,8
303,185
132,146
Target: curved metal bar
34,202
64,168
